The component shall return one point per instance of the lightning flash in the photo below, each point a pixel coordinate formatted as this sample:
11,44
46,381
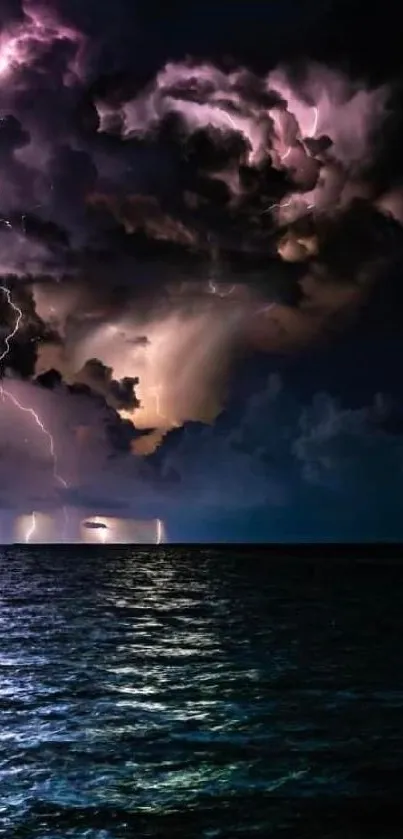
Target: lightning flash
160,532
5,394
31,529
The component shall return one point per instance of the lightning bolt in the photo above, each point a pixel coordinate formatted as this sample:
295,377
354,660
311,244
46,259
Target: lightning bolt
5,394
286,154
232,123
280,206
160,532
16,327
315,122
31,530
283,206
312,133
156,392
103,531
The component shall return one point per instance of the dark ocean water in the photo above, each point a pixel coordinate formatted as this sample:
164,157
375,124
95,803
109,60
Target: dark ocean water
199,694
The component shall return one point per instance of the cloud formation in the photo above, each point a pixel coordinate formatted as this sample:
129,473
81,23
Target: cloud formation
313,470
153,232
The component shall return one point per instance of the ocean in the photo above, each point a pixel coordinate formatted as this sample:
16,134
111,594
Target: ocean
177,692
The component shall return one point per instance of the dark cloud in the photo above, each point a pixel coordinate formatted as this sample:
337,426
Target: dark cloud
159,216
118,394
285,458
94,525
311,471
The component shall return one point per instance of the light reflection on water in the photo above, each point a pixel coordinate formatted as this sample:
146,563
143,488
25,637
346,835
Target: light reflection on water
201,692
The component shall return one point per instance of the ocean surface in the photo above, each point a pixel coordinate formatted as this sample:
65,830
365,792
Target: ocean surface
199,693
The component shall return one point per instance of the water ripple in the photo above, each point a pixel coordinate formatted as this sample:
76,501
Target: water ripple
197,694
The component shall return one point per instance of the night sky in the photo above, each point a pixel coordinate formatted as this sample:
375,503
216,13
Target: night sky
201,249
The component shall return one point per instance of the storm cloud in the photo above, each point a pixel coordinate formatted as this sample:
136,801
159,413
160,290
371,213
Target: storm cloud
158,222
